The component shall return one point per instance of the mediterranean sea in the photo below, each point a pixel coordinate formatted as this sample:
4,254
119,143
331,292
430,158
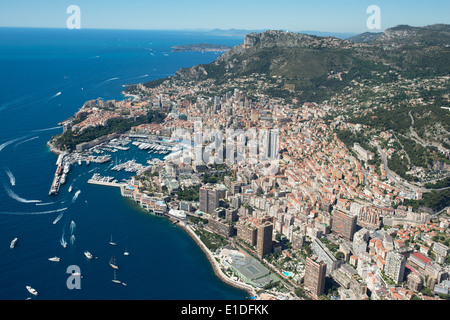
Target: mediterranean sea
46,76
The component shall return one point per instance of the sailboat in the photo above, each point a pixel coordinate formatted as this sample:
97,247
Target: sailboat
111,242
112,263
115,280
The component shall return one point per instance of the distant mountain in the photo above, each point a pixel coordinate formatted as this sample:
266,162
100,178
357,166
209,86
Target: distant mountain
315,67
365,37
437,34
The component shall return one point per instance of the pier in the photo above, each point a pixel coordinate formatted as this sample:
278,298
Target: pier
106,183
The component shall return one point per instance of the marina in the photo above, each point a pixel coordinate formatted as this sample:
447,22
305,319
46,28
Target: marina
105,181
101,154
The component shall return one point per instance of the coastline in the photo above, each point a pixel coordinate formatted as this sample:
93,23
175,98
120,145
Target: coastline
215,265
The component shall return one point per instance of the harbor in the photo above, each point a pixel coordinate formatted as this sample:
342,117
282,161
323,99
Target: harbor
102,153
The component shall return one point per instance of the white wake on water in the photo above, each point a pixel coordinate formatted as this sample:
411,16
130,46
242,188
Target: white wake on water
3,145
75,197
11,177
19,143
57,218
33,213
14,196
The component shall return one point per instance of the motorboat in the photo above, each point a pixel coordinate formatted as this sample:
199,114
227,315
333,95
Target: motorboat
13,243
55,259
32,290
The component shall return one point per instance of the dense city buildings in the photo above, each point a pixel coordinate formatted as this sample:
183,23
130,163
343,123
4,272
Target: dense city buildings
332,192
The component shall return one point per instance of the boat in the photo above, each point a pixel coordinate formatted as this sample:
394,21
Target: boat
70,189
63,241
32,290
66,167
126,253
115,280
88,255
111,242
112,263
13,243
57,218
55,259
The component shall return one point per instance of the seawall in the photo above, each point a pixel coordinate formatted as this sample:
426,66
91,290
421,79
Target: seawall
250,290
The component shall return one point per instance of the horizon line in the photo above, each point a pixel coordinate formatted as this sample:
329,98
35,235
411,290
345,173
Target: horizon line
217,29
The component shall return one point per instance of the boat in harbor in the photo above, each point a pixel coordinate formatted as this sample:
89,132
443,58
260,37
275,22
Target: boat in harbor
112,263
13,243
66,167
32,290
55,259
88,255
112,242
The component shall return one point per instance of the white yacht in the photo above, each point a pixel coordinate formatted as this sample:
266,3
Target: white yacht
32,291
55,259
88,255
70,189
13,243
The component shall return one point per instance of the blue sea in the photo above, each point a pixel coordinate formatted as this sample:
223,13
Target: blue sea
46,76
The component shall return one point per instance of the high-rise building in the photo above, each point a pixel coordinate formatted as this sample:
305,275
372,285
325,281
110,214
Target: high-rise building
395,266
315,275
209,199
343,224
247,231
264,238
271,146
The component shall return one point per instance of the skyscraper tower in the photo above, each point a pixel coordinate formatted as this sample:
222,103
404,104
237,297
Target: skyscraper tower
209,199
315,275
264,239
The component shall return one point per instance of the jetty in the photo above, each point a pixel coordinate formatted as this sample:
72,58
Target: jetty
104,181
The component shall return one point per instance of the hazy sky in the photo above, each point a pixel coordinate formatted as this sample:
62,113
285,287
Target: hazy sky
293,15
